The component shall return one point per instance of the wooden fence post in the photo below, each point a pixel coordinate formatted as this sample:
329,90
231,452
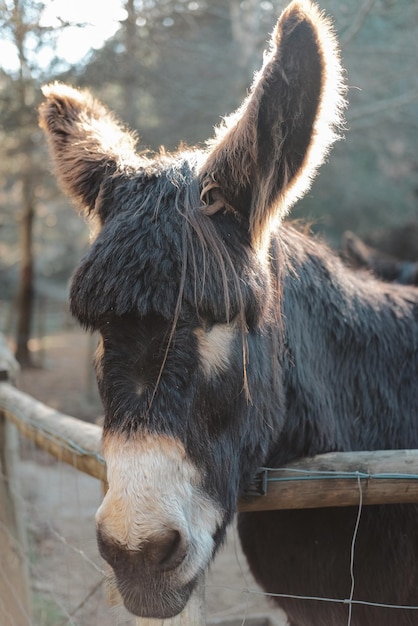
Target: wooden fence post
14,579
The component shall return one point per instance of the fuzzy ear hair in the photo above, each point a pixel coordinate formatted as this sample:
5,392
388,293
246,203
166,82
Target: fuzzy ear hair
87,143
265,155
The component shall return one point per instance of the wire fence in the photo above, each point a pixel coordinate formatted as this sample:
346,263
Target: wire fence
295,475
57,506
57,503
66,574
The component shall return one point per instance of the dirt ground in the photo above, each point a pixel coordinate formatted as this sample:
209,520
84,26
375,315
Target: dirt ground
66,570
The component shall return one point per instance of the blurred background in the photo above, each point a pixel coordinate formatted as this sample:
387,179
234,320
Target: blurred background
171,69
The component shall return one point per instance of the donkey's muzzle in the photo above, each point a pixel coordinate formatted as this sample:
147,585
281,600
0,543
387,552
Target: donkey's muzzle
156,526
146,577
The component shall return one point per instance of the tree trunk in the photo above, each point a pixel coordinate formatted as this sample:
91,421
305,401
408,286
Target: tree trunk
130,68
25,297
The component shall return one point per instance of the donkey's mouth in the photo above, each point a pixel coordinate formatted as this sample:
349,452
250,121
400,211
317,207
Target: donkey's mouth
156,599
151,586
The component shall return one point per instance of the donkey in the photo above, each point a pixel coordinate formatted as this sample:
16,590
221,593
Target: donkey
362,256
230,340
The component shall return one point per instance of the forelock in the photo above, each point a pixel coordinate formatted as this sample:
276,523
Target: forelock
159,252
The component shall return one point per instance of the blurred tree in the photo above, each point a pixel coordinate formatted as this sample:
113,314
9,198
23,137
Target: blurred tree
19,20
175,67
22,167
371,178
129,64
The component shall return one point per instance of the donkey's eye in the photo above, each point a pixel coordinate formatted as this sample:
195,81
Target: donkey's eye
207,325
150,357
150,347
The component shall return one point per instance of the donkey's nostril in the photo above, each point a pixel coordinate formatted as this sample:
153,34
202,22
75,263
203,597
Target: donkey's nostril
167,551
160,553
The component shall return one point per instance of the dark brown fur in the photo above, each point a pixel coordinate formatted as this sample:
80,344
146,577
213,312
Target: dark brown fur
361,256
320,358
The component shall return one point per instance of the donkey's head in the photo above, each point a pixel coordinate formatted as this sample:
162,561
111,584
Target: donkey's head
180,285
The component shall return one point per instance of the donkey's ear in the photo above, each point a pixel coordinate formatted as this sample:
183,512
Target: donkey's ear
87,144
264,156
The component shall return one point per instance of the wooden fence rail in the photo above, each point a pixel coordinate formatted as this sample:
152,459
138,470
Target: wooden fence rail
332,479
68,439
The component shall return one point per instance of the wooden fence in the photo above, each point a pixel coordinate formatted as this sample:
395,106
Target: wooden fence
332,479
